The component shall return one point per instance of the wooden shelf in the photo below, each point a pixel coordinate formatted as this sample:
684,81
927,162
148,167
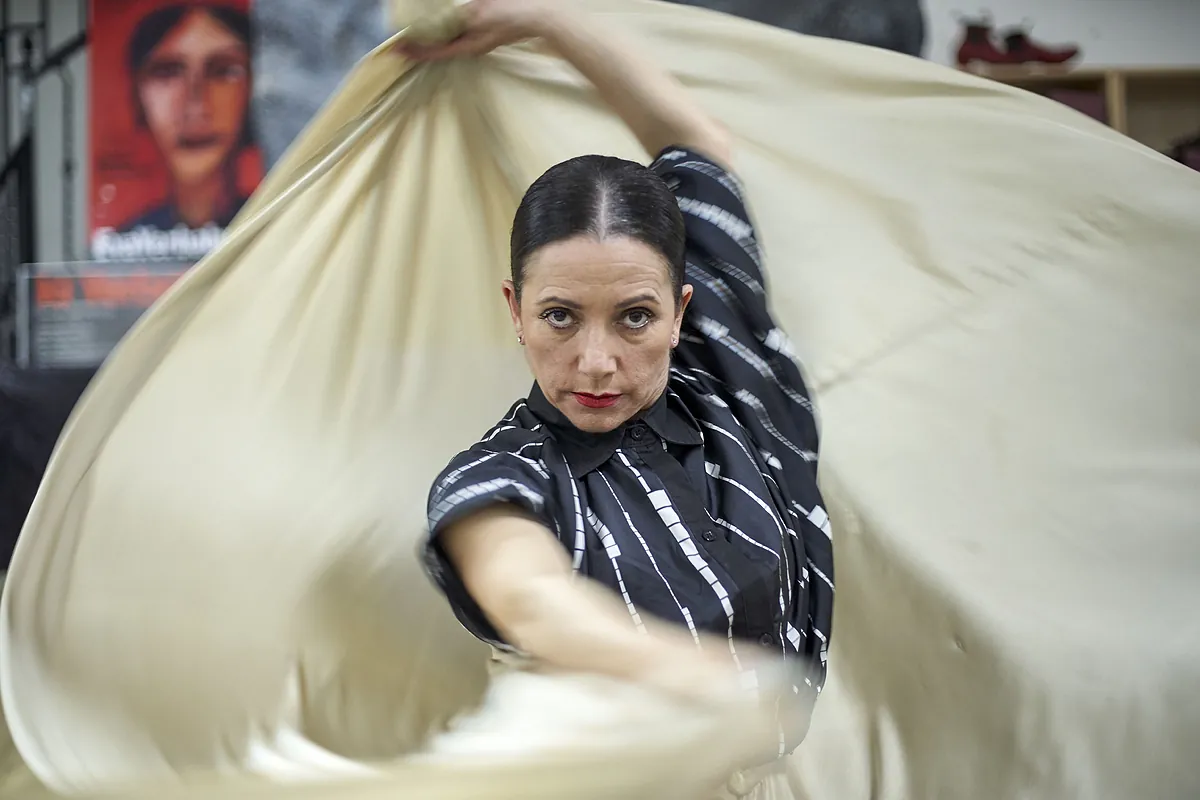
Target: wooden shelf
1034,74
1157,106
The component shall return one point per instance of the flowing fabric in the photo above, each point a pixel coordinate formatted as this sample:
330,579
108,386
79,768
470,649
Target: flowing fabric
995,300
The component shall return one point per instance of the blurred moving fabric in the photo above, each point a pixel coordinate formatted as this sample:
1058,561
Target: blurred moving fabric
304,48
985,337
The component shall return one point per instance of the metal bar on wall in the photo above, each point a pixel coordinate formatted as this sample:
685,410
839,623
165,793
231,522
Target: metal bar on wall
16,238
4,75
27,230
44,16
68,166
24,323
27,90
68,141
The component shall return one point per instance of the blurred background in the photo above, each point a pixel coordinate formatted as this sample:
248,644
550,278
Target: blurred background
131,131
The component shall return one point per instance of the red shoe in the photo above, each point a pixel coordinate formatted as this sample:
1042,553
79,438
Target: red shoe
978,44
1024,50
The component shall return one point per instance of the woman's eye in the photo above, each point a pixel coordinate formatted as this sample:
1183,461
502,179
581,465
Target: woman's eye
638,318
557,317
227,72
165,70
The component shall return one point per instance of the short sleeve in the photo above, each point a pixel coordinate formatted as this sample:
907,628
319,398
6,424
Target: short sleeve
473,481
729,332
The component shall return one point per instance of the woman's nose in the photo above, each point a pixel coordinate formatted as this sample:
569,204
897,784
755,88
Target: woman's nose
598,358
195,104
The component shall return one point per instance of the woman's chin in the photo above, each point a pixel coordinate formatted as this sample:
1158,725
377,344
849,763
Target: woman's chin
596,420
192,168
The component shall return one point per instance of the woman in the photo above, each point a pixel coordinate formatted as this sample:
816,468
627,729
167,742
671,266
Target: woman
190,66
667,449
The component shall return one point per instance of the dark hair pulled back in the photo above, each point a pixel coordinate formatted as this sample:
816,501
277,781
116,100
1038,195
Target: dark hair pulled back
158,24
598,196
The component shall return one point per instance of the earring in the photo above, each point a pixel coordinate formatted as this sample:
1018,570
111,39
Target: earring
520,340
674,341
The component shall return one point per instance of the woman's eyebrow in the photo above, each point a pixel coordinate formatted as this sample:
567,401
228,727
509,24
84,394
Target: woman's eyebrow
229,51
560,301
646,297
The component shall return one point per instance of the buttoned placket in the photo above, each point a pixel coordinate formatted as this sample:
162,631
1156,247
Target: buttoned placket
752,612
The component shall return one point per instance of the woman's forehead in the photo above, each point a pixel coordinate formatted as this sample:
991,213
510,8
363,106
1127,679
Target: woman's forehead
199,31
587,267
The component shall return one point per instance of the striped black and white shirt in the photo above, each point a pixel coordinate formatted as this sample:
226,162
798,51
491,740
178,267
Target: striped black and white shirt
703,511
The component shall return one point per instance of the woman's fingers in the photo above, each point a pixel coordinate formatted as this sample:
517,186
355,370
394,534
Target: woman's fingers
415,51
486,25
469,44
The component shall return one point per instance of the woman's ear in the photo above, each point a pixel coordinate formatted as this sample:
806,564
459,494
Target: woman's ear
685,297
514,308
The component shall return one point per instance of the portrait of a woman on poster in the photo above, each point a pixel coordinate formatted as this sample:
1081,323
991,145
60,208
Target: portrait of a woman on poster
189,67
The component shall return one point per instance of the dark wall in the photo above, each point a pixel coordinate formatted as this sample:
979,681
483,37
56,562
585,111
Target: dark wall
34,406
303,50
891,24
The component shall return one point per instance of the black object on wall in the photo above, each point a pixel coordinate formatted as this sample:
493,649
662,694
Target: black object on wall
1187,151
897,25
34,407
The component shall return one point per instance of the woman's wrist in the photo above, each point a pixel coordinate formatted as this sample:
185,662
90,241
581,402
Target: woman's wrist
548,21
686,671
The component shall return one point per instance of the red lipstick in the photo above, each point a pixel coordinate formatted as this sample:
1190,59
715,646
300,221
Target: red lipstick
596,400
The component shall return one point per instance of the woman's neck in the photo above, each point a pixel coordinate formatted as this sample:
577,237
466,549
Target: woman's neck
206,201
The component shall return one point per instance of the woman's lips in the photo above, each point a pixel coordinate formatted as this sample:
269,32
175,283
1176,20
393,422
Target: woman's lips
199,142
596,400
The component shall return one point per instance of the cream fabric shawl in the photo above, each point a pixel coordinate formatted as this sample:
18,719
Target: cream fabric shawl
996,303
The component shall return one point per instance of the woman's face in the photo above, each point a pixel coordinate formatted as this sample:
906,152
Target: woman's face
598,318
194,90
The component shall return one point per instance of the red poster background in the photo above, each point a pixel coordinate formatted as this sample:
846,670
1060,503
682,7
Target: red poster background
128,176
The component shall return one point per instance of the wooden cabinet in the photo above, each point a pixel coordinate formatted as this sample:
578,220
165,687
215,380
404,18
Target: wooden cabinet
1157,106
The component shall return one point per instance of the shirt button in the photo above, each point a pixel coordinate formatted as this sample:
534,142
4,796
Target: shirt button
638,432
766,640
709,536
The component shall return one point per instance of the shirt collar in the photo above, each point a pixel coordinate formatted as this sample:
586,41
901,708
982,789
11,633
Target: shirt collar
668,417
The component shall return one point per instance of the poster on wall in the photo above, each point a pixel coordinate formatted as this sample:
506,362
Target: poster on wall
73,315
173,153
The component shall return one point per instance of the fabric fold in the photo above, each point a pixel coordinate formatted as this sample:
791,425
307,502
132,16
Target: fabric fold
217,593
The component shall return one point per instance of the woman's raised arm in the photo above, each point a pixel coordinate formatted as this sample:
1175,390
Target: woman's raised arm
521,577
655,106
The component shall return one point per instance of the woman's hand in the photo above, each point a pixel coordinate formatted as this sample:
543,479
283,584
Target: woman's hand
487,24
706,676
652,103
